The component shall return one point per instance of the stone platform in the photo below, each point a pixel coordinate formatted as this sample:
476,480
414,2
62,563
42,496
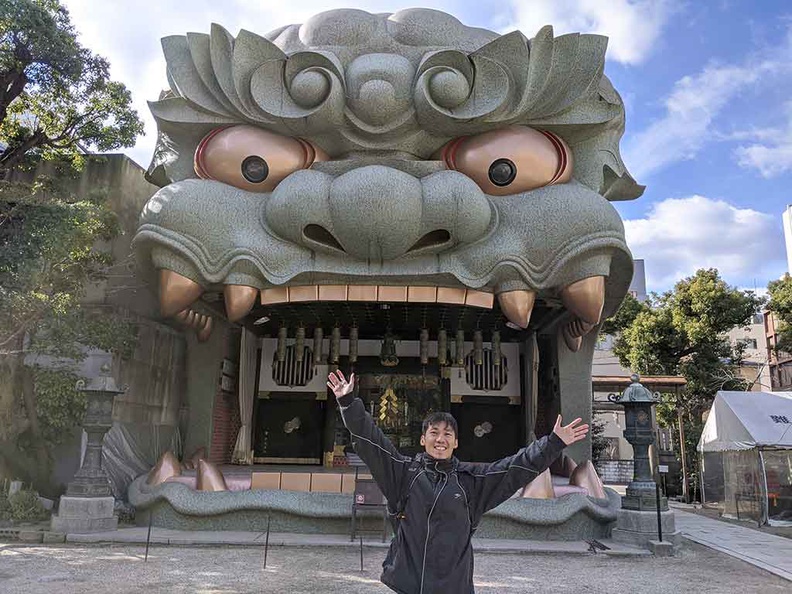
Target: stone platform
85,514
573,517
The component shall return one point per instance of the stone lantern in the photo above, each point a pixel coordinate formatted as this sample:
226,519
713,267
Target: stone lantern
644,514
89,503
639,431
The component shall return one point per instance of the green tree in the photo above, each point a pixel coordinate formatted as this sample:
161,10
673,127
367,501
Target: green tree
684,333
56,97
599,443
628,310
56,101
780,304
48,254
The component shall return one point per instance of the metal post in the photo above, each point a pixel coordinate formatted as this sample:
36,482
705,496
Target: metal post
148,536
659,518
361,553
266,542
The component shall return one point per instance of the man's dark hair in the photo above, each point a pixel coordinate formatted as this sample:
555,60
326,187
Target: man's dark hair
436,418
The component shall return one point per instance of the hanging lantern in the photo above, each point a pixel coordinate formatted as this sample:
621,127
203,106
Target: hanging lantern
283,333
496,348
460,349
442,347
299,344
424,346
388,352
317,346
353,344
478,348
335,345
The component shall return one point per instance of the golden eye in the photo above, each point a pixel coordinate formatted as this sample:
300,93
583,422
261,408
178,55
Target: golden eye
252,159
511,160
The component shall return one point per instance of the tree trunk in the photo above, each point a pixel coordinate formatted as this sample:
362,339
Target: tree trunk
12,158
683,455
11,86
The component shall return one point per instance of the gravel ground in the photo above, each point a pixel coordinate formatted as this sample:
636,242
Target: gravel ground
65,569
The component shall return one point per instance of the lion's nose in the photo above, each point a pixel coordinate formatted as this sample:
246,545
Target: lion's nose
376,212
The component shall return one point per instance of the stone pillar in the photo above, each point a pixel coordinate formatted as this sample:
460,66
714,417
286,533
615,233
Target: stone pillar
88,505
574,376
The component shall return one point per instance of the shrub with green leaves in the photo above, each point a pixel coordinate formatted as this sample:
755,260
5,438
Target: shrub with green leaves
5,506
26,507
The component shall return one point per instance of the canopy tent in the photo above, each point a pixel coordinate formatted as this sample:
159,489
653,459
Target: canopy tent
746,453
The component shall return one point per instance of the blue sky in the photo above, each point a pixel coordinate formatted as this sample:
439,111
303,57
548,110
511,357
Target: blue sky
707,87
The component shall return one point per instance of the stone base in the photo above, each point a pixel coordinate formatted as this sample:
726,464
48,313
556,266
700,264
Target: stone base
54,537
80,515
639,528
661,549
573,517
31,536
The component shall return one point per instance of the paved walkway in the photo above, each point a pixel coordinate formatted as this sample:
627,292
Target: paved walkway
772,553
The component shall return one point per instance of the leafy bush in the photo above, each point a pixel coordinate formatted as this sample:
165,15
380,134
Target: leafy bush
5,506
26,507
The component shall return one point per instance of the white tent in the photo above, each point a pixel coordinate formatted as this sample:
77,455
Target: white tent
746,452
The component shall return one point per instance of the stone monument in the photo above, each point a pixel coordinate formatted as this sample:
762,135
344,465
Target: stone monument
637,521
89,503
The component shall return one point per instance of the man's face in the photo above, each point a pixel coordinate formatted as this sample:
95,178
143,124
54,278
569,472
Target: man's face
439,441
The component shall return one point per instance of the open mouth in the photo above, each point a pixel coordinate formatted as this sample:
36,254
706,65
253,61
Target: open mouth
404,310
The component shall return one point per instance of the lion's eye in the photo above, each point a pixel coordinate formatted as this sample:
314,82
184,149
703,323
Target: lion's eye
252,159
511,160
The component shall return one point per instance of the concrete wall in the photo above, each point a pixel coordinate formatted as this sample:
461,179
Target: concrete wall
203,371
121,180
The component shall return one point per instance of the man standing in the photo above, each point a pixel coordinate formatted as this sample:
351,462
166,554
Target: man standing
436,501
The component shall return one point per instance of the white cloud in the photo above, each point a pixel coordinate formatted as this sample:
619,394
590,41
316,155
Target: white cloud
690,110
633,26
771,154
681,235
694,107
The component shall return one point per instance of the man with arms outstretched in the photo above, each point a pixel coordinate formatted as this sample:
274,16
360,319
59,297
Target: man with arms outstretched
436,501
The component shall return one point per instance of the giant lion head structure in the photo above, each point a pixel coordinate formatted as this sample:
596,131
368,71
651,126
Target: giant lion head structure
401,149
363,164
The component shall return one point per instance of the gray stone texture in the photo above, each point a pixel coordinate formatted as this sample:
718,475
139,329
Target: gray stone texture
85,507
381,94
574,376
30,535
661,548
173,505
54,537
84,514
83,525
640,527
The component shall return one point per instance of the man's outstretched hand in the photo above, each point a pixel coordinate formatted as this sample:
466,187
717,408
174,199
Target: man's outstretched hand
571,433
339,385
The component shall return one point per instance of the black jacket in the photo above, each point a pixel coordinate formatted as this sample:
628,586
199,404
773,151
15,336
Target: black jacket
438,503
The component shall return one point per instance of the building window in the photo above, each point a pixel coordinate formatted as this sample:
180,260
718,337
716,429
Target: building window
487,376
291,372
